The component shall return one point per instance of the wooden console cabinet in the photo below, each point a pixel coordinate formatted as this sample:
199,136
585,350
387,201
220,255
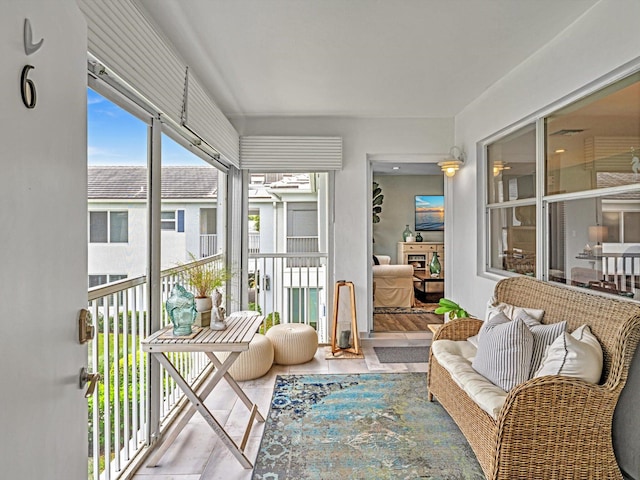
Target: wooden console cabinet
419,254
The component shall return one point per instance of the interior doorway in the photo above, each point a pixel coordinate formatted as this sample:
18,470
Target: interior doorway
402,301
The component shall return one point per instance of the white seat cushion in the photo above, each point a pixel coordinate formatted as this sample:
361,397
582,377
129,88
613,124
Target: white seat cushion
456,358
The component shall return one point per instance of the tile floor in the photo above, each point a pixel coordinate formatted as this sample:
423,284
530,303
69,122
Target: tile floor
198,454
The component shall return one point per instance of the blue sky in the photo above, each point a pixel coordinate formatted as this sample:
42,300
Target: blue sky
115,137
429,201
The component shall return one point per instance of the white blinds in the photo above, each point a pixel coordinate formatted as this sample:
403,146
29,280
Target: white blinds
290,154
121,38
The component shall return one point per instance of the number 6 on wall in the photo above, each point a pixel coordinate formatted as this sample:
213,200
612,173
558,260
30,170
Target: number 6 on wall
28,88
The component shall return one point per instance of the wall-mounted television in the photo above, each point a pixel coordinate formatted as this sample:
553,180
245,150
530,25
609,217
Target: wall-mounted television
429,213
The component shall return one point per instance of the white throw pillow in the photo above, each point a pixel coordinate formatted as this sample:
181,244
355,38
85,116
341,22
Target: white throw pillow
504,352
510,311
577,355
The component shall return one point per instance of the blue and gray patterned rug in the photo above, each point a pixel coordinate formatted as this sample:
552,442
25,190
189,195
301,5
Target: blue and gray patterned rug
360,426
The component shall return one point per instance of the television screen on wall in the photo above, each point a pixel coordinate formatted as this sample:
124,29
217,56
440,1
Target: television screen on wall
429,213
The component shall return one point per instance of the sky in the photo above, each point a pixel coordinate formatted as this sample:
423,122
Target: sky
115,137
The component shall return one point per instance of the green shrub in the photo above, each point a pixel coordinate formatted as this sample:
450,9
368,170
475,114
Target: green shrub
271,320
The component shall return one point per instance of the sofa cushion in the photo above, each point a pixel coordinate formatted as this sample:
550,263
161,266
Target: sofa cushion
383,259
577,355
504,351
456,358
511,311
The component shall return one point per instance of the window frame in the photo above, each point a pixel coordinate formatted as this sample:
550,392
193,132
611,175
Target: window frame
541,199
108,213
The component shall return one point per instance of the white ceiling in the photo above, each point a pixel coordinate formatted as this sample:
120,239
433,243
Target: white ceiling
389,58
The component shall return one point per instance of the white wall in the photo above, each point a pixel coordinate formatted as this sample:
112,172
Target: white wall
352,204
603,39
43,243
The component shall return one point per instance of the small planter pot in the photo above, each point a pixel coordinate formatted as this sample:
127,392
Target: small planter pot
204,304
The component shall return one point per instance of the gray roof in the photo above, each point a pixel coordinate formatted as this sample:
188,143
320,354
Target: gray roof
613,179
116,182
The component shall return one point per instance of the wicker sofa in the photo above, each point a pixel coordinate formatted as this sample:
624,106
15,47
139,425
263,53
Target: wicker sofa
550,427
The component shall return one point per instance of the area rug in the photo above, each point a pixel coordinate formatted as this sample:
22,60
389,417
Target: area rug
341,354
360,426
402,354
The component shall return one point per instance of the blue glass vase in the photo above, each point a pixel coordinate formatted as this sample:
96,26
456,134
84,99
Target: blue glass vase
181,307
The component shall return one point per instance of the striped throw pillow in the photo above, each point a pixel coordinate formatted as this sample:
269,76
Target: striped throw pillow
543,336
504,352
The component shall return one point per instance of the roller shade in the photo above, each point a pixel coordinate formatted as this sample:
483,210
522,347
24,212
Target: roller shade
290,154
122,39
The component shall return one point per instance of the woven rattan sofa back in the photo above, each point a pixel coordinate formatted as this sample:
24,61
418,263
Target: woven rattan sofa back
616,323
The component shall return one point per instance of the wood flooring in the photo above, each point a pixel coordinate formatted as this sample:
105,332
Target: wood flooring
403,322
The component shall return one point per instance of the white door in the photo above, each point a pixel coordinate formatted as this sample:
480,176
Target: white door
43,261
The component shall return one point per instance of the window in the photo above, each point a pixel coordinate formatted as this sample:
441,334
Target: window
96,280
302,227
111,227
172,220
98,227
591,159
590,155
511,202
303,306
118,227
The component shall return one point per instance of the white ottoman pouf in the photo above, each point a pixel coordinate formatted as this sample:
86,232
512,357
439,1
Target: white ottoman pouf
293,343
252,363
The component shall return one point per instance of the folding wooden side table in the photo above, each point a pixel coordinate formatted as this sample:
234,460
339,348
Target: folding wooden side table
241,328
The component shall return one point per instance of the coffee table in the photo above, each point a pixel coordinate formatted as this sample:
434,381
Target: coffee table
424,277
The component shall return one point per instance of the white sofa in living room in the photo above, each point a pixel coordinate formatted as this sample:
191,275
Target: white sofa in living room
393,283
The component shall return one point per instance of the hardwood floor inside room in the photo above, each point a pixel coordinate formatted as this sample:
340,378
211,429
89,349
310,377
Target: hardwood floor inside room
406,320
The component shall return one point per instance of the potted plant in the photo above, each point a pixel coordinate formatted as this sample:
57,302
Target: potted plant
452,308
204,279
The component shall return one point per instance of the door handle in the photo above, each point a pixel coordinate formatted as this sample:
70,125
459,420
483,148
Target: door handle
86,331
91,378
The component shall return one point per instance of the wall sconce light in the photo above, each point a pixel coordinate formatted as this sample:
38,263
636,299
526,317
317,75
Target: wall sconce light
452,164
499,166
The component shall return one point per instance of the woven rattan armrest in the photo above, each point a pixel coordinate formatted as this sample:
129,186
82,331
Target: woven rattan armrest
549,426
458,329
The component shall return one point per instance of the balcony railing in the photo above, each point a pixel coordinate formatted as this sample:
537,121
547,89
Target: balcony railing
124,409
291,287
254,242
119,410
208,245
302,245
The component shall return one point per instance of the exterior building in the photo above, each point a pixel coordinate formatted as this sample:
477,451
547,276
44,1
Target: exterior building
283,213
117,209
